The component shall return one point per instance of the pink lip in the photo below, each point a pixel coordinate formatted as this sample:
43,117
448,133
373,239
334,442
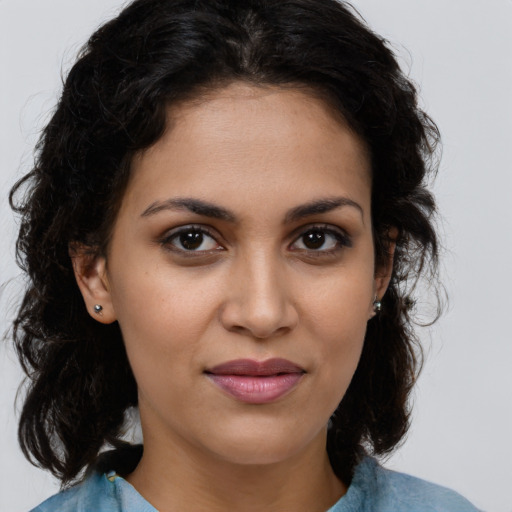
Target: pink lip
256,382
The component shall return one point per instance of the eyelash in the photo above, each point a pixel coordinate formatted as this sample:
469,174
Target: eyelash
340,237
342,240
202,230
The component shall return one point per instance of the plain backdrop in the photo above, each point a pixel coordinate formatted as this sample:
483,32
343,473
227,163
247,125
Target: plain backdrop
459,52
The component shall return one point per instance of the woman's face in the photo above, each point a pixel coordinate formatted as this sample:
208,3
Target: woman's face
241,272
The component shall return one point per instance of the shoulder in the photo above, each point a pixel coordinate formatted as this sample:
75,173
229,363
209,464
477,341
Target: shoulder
74,498
93,493
99,493
383,490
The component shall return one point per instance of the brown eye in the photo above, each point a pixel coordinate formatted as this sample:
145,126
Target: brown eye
321,239
313,239
191,239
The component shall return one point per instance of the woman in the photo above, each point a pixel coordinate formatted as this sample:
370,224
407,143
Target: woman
223,226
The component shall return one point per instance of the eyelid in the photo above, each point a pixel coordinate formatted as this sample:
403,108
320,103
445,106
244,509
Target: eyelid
165,240
345,240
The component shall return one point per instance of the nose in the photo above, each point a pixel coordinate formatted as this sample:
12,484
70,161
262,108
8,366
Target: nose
259,301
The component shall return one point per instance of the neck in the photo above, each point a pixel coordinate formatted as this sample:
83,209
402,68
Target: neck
176,477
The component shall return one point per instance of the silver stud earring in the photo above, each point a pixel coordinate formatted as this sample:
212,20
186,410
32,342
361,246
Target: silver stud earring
377,305
98,308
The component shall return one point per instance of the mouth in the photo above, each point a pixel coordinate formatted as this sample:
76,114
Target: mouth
256,382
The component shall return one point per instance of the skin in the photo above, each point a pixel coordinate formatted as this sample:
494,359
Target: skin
254,288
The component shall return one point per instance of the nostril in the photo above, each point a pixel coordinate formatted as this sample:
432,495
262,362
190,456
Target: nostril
259,331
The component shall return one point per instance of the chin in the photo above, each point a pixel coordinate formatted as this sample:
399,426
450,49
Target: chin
264,446
259,454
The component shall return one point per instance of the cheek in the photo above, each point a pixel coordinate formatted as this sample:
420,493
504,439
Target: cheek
343,335
341,304
161,341
161,299
337,320
163,315
339,360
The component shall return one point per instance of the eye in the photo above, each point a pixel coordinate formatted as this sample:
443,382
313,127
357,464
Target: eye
321,239
191,239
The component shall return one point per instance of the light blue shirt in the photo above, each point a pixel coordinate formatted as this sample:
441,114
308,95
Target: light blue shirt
373,489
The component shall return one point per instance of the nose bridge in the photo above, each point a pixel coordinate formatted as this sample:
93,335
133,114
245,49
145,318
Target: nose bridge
264,291
259,301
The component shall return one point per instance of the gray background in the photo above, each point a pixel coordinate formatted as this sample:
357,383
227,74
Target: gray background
459,52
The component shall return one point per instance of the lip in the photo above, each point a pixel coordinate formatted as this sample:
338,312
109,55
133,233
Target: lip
256,382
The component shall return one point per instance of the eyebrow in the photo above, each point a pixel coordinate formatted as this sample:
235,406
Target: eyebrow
321,206
207,209
194,205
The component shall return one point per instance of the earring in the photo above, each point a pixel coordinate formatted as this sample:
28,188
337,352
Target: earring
377,305
98,308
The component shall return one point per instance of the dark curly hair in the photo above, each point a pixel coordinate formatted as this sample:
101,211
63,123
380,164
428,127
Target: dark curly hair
113,105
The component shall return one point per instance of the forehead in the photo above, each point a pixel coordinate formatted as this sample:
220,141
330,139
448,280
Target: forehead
281,113
261,138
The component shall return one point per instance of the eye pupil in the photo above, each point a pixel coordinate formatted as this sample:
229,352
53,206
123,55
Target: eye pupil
191,240
314,239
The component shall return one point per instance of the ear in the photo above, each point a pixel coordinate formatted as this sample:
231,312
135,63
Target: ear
384,270
91,276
